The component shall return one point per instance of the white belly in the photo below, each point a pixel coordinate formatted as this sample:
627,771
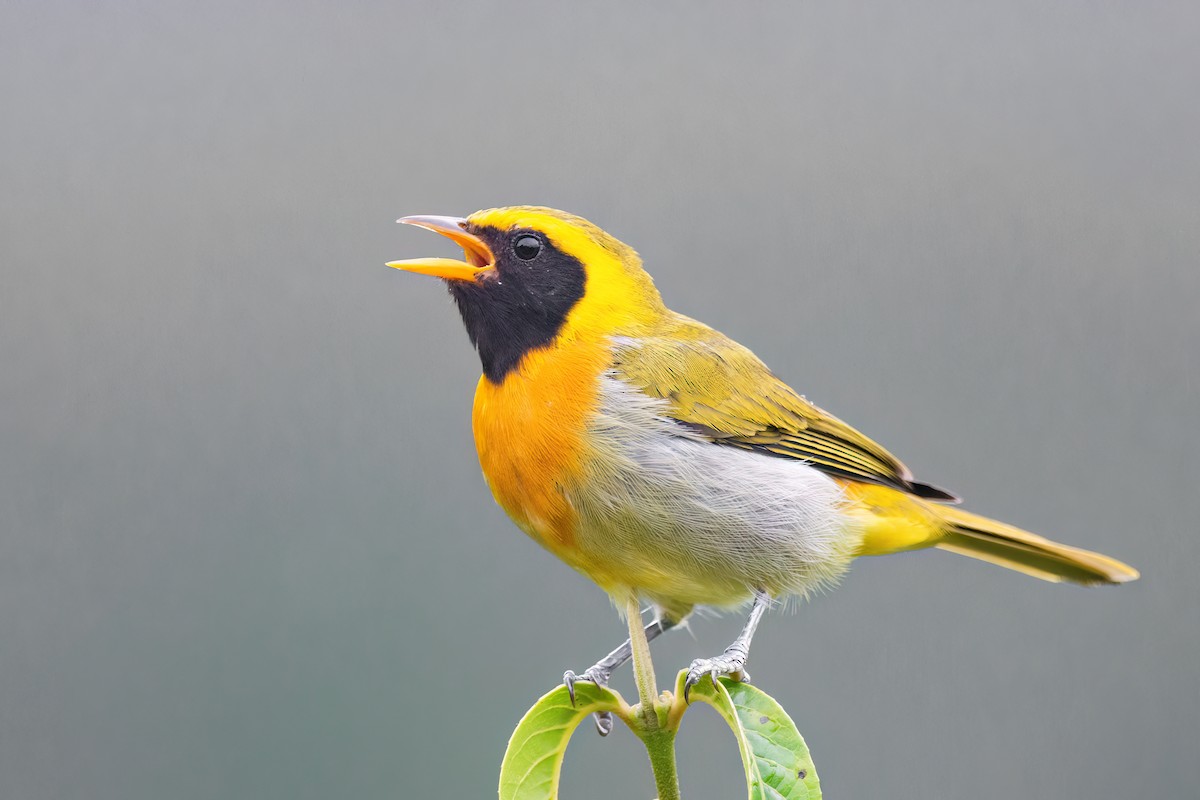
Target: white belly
688,522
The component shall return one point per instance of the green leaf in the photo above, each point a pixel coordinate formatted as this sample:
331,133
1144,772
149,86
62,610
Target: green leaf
533,761
778,765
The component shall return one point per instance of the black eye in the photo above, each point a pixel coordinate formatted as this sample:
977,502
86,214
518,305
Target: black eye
527,247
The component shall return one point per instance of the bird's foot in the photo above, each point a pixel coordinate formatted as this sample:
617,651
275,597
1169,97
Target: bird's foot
598,675
731,662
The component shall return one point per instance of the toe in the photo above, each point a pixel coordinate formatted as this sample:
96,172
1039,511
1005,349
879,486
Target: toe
590,675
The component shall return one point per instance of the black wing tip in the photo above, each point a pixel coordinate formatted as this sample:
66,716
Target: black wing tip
928,491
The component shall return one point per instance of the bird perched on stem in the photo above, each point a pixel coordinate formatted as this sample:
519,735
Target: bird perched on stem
665,461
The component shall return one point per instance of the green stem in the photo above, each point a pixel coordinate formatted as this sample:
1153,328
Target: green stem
643,669
660,745
659,741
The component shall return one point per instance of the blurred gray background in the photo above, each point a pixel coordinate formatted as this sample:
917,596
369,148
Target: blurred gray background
245,551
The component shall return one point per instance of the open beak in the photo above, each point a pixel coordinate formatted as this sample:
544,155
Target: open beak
479,258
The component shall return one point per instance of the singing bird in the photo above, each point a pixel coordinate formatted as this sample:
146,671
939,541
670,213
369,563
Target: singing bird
662,459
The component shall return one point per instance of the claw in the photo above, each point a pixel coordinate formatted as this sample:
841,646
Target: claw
569,679
604,719
692,679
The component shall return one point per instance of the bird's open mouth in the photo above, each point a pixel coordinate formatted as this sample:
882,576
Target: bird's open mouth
479,258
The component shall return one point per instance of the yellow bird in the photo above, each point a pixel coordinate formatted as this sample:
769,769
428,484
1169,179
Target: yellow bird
665,461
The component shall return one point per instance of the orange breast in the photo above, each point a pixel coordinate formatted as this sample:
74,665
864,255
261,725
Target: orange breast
529,431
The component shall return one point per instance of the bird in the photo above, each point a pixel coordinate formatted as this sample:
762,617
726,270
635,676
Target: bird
665,461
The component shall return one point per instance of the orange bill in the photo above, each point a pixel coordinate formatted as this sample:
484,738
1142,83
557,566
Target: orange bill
478,255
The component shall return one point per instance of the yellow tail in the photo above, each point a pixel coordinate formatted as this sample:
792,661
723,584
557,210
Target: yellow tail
988,540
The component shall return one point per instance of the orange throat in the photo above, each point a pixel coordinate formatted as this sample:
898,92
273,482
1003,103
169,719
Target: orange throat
530,432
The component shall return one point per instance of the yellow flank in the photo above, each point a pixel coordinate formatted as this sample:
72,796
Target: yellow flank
891,520
529,432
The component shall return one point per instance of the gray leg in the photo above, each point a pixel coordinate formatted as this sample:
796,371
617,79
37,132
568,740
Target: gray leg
733,661
602,670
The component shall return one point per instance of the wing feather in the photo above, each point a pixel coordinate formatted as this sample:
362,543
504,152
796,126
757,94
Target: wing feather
724,392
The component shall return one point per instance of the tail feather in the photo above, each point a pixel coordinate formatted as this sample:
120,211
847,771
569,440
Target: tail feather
988,540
